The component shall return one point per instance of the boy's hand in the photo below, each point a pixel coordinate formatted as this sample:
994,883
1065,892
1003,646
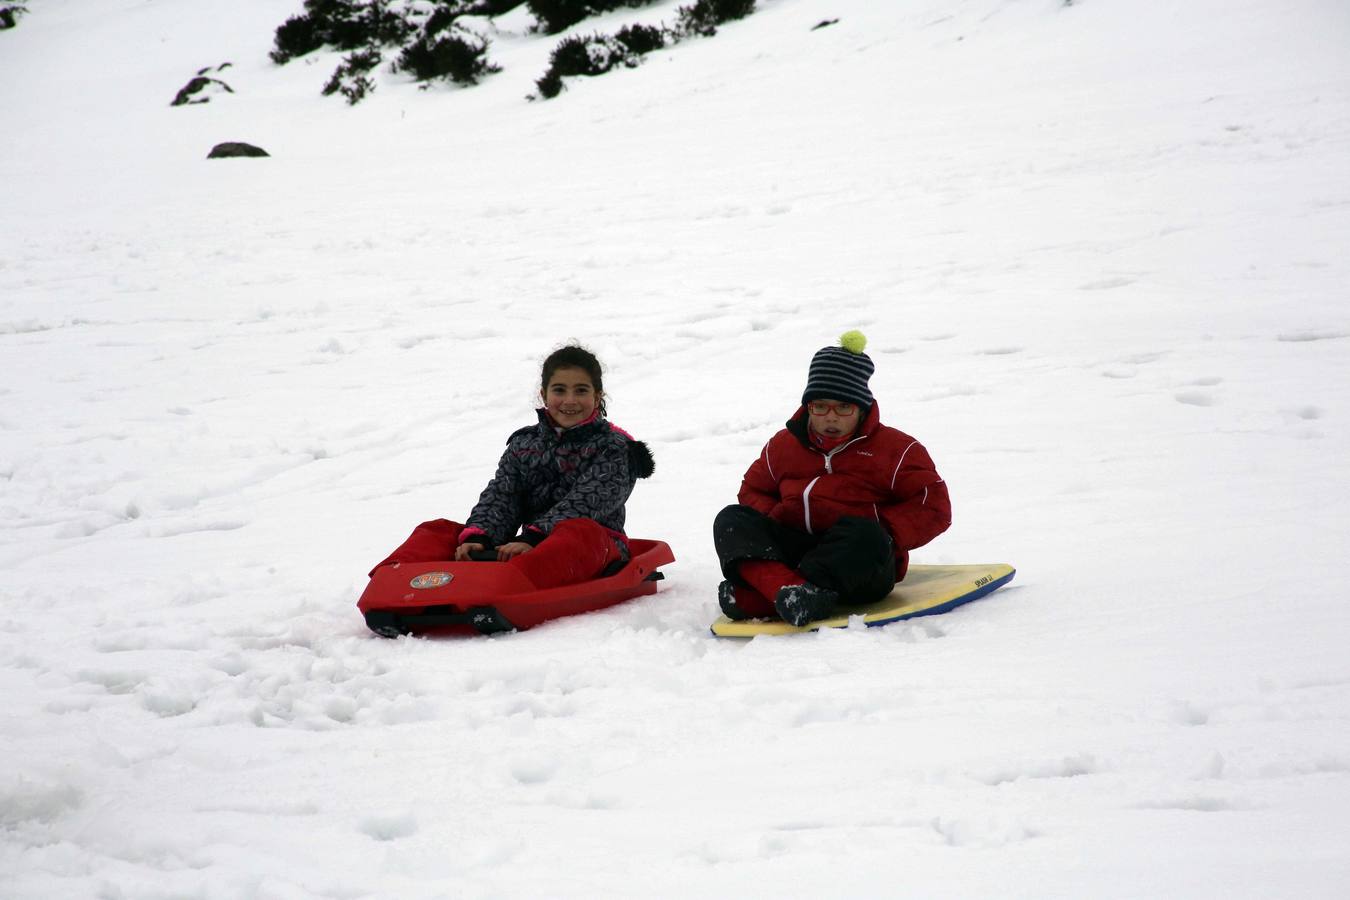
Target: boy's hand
515,548
463,550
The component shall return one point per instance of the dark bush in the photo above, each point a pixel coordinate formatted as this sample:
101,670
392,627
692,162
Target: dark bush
344,24
441,19
352,25
596,55
559,15
297,36
454,57
351,78
196,86
550,85
446,12
703,16
10,13
491,7
599,53
574,56
640,39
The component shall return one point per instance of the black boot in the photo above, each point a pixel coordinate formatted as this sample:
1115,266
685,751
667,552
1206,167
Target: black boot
726,598
799,604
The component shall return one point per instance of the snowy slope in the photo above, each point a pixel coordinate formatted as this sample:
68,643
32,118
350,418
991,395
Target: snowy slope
1098,250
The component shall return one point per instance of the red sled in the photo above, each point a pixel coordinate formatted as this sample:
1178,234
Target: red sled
488,597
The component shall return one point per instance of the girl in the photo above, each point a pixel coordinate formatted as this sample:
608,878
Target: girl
832,506
555,508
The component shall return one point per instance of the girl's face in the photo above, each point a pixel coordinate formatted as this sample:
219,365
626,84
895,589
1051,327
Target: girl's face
569,396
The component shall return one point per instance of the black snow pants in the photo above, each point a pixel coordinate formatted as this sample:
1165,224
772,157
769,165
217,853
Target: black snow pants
855,557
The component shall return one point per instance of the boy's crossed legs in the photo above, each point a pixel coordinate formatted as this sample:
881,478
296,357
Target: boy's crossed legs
775,570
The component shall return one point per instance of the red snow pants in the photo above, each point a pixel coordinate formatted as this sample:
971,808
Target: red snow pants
577,550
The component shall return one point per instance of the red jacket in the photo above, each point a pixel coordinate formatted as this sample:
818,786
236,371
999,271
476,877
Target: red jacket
880,473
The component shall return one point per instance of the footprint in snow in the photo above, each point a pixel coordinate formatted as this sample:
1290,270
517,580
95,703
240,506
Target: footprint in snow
1186,713
1197,803
1068,767
533,770
114,681
1195,398
1106,284
24,800
1304,337
388,826
995,831
1305,413
1139,359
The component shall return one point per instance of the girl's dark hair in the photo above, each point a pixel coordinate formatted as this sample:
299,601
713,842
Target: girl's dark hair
574,356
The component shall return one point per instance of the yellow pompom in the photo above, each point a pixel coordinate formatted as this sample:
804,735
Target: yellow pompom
853,341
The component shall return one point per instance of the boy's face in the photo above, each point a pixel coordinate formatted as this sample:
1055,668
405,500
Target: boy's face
833,418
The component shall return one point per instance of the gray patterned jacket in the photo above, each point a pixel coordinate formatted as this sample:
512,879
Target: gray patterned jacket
545,477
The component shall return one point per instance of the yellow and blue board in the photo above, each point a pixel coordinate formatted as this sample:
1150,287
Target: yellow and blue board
926,591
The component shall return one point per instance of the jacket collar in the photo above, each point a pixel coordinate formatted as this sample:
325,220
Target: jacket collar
579,432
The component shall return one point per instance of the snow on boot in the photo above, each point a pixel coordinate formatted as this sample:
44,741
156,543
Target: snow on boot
799,604
726,598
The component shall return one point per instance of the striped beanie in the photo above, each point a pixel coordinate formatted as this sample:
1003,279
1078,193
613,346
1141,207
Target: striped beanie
841,373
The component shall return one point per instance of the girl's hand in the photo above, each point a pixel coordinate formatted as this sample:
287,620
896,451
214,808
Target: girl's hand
515,548
463,550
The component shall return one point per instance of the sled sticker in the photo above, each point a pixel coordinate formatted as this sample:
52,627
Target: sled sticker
431,580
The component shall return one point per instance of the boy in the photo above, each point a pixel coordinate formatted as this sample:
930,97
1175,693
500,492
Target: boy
832,506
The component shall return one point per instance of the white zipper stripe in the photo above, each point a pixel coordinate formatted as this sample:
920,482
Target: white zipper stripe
806,503
768,464
829,470
829,456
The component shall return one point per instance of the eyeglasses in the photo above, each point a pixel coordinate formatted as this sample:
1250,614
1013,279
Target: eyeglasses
817,408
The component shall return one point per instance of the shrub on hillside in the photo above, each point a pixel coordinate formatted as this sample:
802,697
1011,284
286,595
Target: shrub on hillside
296,36
200,88
344,24
352,78
9,15
703,16
641,39
599,53
596,55
368,27
460,58
491,7
559,15
447,11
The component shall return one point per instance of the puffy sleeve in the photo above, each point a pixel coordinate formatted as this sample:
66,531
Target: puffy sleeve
499,510
920,508
759,487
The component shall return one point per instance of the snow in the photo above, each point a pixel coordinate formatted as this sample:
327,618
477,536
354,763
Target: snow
1099,252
